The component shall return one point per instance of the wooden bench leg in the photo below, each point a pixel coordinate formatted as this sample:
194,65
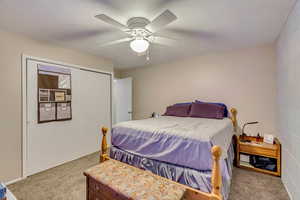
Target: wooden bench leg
87,188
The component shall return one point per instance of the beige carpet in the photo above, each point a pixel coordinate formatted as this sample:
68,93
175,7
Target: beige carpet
66,182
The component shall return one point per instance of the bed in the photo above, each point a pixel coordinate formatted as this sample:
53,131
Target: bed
177,148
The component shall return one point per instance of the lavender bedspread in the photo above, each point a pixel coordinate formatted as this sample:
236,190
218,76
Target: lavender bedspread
184,142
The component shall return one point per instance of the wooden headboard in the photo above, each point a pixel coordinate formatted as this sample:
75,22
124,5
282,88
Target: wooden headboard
233,118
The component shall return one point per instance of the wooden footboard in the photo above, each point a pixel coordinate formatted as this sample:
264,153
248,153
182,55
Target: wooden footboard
190,194
104,154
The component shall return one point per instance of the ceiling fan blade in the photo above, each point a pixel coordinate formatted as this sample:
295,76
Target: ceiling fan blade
116,42
192,34
162,20
112,22
163,41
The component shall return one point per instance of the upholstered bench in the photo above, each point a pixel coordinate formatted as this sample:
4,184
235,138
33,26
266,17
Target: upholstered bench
114,180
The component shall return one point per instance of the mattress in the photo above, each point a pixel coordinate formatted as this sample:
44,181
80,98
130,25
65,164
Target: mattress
182,141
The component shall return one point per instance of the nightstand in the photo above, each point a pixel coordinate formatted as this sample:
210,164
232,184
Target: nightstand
257,148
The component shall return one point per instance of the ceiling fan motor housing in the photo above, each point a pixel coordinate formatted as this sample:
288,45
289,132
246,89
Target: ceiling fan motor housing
137,27
137,22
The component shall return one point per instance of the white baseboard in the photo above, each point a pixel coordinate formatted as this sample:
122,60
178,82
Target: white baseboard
22,178
15,180
287,190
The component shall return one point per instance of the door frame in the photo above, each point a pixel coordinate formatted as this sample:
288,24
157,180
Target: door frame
25,59
115,100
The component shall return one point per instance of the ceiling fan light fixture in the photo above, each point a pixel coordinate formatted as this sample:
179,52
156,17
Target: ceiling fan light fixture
139,45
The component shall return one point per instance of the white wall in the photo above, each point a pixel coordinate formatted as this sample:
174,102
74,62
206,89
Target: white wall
11,48
288,54
243,78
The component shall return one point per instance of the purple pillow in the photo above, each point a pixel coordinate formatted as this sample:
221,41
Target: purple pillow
220,104
178,110
207,110
187,103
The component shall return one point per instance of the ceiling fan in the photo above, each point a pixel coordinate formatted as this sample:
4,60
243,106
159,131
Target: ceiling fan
140,30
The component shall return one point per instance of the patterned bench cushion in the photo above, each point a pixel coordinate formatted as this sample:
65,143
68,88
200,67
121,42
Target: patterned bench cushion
134,183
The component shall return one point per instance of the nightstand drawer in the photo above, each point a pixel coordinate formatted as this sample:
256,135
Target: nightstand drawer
252,149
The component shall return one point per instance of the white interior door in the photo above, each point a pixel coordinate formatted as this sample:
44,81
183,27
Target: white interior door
51,144
123,99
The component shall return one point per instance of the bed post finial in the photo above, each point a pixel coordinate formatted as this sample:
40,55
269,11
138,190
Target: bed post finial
234,118
216,178
103,153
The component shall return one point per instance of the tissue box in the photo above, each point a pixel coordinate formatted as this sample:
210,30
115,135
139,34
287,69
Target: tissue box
2,192
269,139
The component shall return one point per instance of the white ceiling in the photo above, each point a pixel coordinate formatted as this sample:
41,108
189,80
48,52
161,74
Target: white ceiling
202,25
